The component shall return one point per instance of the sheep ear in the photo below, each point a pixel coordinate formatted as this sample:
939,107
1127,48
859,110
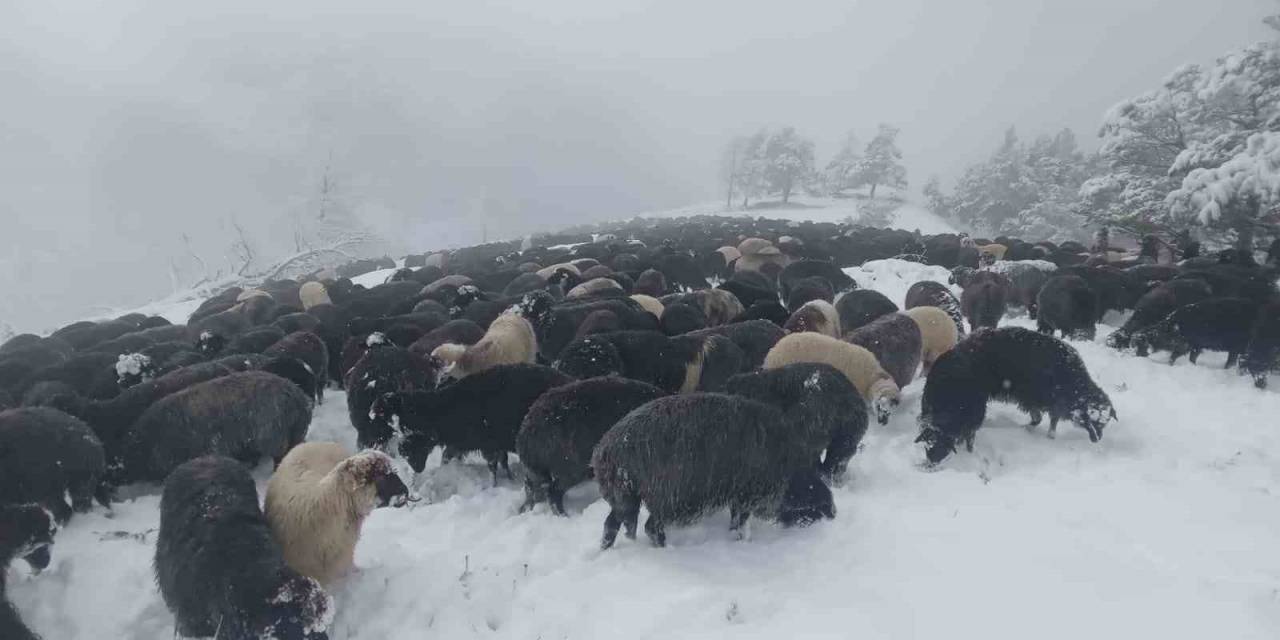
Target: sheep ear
921,438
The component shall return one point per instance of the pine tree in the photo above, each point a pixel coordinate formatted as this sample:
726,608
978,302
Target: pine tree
788,161
881,163
838,176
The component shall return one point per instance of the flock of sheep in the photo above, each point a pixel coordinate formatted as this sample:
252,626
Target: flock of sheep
610,360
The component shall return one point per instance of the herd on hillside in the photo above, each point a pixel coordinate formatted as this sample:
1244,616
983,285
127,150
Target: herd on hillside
610,359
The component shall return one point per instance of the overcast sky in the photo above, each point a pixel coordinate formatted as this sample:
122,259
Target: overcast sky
128,123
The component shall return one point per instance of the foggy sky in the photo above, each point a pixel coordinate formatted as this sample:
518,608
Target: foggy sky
129,123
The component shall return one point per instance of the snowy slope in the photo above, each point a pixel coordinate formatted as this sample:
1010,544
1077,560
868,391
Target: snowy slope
908,216
1165,529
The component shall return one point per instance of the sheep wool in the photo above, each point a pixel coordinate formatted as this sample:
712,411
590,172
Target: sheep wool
856,363
509,340
313,294
938,333
317,501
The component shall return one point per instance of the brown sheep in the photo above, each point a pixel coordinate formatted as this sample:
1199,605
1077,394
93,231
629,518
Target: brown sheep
856,363
509,340
649,303
938,331
593,287
818,316
313,294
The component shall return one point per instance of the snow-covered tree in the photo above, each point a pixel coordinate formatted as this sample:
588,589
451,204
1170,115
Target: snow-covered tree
1022,190
838,176
935,199
1242,193
1202,122
881,163
788,161
749,165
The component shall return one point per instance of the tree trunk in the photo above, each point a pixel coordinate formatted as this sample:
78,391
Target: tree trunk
873,190
786,193
744,200
1244,236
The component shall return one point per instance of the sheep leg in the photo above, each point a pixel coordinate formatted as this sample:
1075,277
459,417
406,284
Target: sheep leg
555,497
535,489
505,461
968,442
58,506
1036,417
738,521
1053,426
1232,359
656,532
1194,355
612,523
492,461
1043,327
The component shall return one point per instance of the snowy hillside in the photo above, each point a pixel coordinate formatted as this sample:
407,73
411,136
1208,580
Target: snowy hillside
907,216
1165,529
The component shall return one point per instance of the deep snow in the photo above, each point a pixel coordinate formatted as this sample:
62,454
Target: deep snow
1165,529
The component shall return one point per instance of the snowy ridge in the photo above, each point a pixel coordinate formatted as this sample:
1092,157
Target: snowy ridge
907,216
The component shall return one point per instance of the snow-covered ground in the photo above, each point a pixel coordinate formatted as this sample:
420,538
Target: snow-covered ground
907,216
1165,529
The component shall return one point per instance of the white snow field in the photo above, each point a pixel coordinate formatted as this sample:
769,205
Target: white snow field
1167,529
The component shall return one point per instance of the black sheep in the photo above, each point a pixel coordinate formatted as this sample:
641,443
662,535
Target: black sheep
749,288
983,303
672,363
1216,324
801,270
19,341
928,293
463,332
860,307
688,455
1039,373
556,324
46,455
1115,290
383,369
1025,281
303,321
562,428
92,375
127,343
254,341
310,350
809,289
754,337
1156,305
25,531
1069,305
602,321
244,415
1263,353
83,337
896,342
767,310
218,567
651,283
681,318
524,283
481,412
841,413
